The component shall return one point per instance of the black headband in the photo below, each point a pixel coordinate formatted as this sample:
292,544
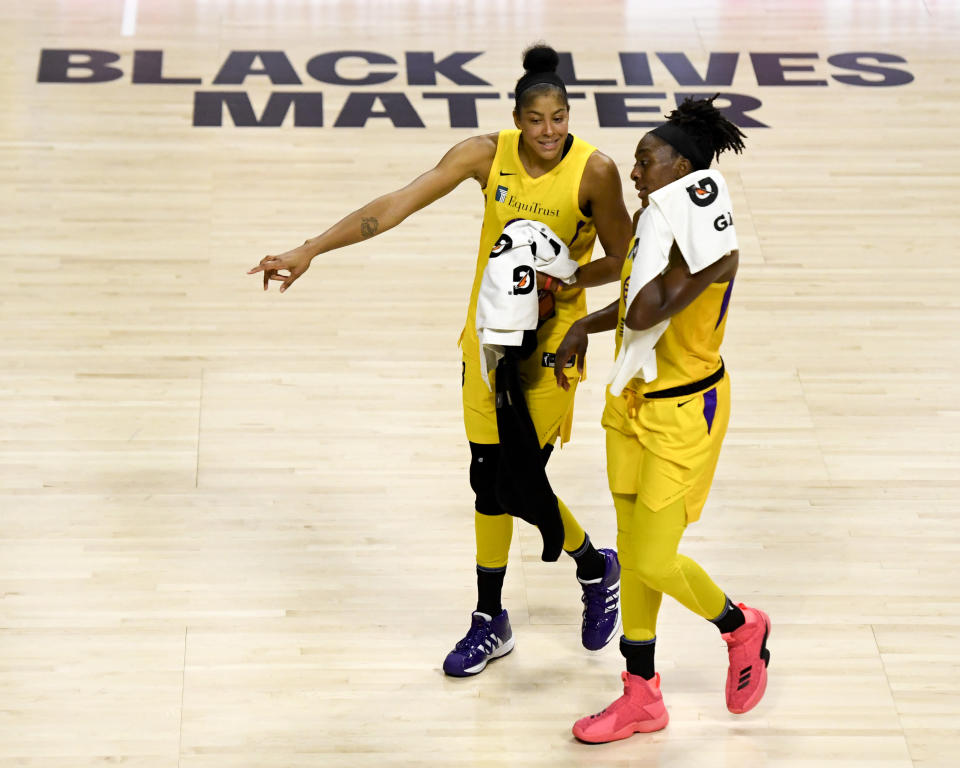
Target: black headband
537,78
697,149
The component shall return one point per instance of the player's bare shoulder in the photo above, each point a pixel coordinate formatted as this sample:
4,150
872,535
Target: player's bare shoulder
489,141
600,182
471,158
600,169
482,151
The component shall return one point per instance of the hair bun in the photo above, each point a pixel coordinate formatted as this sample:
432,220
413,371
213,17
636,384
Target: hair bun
540,58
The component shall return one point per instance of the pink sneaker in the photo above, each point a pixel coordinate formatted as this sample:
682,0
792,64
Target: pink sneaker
639,710
749,657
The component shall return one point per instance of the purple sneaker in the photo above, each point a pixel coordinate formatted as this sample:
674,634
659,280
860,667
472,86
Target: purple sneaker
601,605
488,638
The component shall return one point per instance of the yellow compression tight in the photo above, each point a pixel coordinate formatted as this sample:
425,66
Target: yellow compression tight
647,543
494,533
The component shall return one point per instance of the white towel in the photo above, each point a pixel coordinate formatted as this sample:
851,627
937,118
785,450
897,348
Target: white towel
694,211
507,304
698,210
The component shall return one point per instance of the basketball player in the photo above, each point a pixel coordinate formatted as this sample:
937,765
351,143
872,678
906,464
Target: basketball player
663,442
538,171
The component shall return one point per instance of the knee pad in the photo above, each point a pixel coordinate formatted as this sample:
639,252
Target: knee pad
484,460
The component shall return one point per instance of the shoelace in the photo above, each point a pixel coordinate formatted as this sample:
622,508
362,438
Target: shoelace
475,637
594,599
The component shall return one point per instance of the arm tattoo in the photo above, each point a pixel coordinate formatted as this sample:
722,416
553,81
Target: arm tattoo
369,227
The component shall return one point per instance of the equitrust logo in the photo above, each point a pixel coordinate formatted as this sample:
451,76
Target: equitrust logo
633,89
531,208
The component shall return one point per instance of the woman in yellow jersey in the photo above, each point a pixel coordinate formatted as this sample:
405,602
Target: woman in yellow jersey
538,171
663,441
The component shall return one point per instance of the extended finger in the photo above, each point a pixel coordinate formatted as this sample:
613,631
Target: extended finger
288,282
558,362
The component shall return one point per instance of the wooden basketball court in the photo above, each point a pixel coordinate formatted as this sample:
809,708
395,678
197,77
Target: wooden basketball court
236,526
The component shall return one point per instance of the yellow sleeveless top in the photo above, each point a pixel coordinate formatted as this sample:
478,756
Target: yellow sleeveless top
689,349
552,199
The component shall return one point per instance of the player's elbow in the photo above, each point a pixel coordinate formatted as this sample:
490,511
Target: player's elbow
642,320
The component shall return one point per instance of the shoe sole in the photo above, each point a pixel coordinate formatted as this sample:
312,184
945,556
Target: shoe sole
627,731
500,652
762,687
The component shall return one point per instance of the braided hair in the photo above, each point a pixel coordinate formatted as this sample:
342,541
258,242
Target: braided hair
699,131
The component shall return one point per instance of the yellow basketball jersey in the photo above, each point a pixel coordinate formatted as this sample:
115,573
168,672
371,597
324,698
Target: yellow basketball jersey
552,199
689,349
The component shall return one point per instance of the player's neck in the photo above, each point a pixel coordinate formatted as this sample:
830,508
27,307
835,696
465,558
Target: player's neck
535,165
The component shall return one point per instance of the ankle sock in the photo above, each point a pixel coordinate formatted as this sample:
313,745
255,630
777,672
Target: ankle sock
591,564
730,618
639,655
489,589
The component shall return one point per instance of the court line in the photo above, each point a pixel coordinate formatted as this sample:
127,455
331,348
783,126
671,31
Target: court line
129,25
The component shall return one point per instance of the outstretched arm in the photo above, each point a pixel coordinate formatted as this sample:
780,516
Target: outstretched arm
468,159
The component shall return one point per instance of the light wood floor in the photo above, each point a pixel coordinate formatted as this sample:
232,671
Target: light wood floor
236,526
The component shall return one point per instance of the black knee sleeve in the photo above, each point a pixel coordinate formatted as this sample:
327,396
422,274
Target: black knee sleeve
484,460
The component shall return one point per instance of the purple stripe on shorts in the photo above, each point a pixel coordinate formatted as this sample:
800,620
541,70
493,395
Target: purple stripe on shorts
709,407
